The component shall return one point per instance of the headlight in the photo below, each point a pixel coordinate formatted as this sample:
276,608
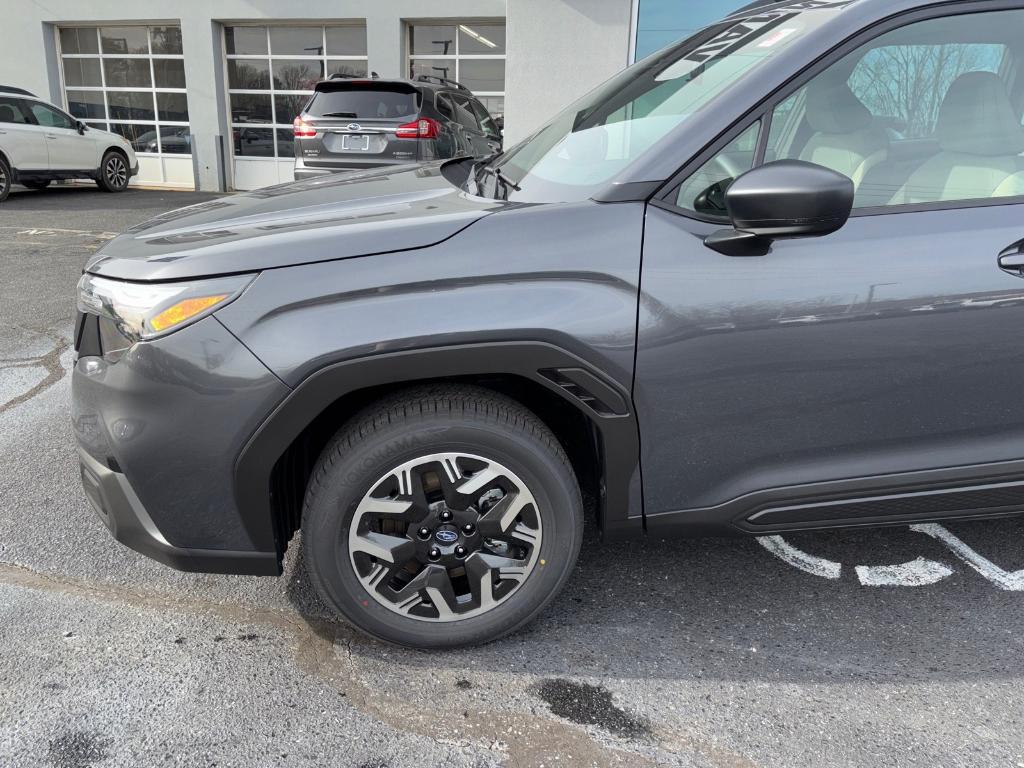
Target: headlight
143,311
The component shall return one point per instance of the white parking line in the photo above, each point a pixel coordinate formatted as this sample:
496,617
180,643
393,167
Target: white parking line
916,573
1009,580
816,566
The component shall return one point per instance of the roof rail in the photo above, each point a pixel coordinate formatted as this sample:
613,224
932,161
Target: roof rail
442,81
22,91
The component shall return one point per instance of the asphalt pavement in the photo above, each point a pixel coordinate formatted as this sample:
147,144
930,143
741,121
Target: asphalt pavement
895,647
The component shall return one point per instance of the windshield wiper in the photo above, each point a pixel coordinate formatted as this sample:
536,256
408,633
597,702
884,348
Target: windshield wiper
350,115
497,173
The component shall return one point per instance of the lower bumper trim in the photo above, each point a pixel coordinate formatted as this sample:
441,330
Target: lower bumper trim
121,511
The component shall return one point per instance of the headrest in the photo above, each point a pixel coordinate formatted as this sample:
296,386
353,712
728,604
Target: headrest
977,118
7,114
833,108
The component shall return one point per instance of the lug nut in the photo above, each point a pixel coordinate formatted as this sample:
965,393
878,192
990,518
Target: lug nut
435,553
424,533
460,551
446,515
468,529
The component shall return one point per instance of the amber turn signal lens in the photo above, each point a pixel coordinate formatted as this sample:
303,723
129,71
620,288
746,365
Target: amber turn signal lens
183,310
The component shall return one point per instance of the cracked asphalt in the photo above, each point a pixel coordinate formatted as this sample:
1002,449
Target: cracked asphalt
692,653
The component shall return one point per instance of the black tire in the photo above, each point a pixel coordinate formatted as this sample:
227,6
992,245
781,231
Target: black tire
114,172
427,421
41,184
5,179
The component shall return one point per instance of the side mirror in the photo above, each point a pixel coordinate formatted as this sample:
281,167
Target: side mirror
82,127
785,199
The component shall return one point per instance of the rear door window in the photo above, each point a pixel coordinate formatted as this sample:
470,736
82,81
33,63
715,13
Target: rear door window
354,103
11,111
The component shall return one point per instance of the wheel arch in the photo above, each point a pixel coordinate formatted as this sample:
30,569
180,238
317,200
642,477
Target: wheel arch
598,430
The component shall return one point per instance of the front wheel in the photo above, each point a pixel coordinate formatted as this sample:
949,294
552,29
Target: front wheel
445,516
114,173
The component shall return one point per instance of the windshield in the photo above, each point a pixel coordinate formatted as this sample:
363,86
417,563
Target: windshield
589,143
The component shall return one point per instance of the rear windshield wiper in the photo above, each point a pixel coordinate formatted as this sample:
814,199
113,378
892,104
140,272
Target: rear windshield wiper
350,115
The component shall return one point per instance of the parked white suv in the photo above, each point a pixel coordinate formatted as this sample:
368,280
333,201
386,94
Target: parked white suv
40,143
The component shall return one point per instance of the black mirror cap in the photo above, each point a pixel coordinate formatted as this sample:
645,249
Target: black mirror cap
82,127
790,198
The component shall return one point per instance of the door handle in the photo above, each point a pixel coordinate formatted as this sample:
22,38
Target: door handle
2,133
52,136
1012,259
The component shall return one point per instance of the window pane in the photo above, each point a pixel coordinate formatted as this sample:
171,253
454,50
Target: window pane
902,115
494,104
141,137
254,142
481,38
434,67
125,39
169,73
346,41
305,41
486,122
48,117
127,73
79,40
98,126
172,107
704,192
354,68
246,40
288,107
82,72
295,75
249,74
130,105
433,39
166,39
250,108
175,140
86,104
482,75
11,111
464,114
285,144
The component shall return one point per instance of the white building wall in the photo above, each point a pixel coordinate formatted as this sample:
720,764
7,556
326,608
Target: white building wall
558,50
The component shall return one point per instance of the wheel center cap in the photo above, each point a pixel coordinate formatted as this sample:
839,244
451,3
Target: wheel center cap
446,535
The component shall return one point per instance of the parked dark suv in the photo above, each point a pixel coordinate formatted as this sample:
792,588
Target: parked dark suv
359,123
765,280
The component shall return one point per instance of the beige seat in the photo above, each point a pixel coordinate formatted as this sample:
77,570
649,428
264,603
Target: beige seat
846,136
981,139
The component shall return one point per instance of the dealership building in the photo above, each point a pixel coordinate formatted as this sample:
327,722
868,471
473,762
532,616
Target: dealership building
206,91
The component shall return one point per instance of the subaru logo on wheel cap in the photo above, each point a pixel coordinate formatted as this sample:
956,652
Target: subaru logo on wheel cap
354,127
446,536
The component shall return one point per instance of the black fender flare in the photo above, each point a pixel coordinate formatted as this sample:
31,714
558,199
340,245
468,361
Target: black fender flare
606,405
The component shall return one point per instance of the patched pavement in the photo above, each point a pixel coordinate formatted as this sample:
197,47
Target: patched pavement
692,653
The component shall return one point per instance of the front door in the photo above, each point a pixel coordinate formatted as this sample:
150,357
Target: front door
871,374
68,149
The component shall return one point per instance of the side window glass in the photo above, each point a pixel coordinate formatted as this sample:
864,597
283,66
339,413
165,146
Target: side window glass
901,116
464,114
704,191
50,118
444,106
484,118
11,112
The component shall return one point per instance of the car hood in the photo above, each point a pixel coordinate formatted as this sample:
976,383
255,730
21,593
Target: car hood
321,219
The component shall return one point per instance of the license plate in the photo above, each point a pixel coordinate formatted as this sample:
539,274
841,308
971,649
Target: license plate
355,143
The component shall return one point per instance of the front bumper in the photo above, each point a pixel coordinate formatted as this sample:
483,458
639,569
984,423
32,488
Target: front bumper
113,498
159,431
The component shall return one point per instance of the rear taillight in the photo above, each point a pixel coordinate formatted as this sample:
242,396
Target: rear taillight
424,128
303,130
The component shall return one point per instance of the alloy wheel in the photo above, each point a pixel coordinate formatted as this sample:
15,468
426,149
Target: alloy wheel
445,537
116,172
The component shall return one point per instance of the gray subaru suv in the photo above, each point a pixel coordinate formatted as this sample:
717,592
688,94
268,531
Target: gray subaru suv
360,123
763,281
